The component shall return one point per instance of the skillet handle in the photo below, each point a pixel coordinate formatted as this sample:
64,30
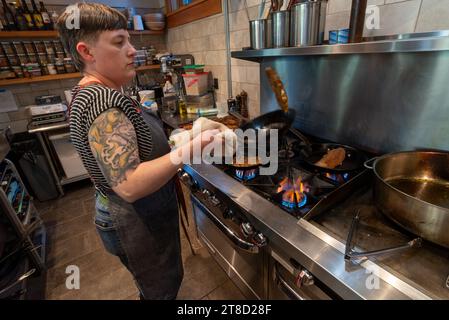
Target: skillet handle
369,163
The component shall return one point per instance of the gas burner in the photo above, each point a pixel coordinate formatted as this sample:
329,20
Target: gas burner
286,154
294,193
339,178
246,174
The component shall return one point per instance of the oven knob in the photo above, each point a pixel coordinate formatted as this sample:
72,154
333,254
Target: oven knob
247,229
207,193
187,179
260,239
228,214
215,201
304,278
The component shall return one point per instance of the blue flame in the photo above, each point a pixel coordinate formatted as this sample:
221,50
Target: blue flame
293,205
245,175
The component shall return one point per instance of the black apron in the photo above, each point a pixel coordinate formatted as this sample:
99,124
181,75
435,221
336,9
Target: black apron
148,230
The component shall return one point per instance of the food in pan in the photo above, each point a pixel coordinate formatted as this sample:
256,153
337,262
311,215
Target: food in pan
228,121
332,159
247,162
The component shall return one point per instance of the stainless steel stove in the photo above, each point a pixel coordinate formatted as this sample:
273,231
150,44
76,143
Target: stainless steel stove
286,236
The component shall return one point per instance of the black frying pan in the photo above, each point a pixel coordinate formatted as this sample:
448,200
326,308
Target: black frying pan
272,120
313,152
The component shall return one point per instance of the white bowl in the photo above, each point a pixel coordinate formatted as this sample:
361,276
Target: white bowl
154,17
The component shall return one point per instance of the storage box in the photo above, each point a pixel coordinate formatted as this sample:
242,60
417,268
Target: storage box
68,156
195,84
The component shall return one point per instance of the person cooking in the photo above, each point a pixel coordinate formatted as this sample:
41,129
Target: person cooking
126,153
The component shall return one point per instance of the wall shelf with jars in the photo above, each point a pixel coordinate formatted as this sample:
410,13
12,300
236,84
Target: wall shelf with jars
7,82
54,34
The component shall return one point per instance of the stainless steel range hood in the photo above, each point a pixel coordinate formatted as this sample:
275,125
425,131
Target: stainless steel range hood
380,96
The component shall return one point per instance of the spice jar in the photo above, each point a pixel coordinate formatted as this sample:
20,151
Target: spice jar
49,47
29,48
3,61
59,67
18,46
60,55
44,69
51,68
23,58
69,65
42,58
40,47
58,45
13,60
18,71
7,73
7,48
32,58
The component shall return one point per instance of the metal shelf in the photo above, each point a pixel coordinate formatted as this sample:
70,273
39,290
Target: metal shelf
420,42
20,225
54,34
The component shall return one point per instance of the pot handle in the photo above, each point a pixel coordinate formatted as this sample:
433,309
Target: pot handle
369,163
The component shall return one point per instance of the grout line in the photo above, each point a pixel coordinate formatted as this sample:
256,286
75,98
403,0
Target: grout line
419,13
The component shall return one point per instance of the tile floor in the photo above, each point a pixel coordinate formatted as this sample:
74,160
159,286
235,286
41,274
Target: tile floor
72,240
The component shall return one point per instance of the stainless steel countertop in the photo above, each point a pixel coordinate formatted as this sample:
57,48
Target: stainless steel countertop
317,251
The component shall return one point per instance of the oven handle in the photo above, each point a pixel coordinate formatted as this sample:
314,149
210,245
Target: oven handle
242,244
285,287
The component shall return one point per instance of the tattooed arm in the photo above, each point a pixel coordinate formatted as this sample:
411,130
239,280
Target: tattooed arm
113,142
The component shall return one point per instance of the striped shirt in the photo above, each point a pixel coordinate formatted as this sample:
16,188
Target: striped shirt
87,104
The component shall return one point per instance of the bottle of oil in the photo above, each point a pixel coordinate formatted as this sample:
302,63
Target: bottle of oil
182,106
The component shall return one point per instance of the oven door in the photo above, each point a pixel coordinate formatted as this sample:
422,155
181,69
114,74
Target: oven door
287,282
241,260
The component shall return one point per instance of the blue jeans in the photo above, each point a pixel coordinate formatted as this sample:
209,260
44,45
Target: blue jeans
107,230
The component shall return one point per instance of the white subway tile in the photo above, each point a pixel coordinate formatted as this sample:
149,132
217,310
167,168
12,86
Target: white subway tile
434,15
253,74
396,18
238,74
217,42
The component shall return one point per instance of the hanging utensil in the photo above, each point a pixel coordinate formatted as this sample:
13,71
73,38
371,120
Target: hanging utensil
278,88
274,5
280,4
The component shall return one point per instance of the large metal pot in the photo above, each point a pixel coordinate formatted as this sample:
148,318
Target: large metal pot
412,189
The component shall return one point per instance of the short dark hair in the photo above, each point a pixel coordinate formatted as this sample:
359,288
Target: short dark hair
94,18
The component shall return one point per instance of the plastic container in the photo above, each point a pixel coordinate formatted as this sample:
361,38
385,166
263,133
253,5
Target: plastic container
194,69
69,158
195,84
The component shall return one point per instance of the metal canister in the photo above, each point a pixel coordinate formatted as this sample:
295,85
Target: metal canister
258,34
280,28
306,24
